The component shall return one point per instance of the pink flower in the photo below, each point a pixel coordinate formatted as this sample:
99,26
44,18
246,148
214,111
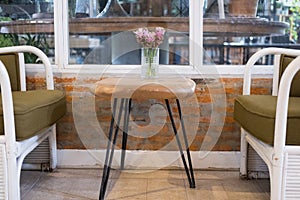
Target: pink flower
150,39
159,32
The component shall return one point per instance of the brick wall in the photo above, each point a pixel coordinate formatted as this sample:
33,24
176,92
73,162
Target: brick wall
197,117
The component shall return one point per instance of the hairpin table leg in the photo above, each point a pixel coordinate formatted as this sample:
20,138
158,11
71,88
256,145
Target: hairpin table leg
110,147
188,169
125,130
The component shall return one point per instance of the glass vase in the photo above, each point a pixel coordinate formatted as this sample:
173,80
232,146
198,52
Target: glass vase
149,63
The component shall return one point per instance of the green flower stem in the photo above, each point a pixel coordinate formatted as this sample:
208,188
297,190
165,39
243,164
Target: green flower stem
150,53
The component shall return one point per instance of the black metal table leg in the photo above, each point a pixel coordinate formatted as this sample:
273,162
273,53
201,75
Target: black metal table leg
125,130
193,185
110,148
188,169
125,106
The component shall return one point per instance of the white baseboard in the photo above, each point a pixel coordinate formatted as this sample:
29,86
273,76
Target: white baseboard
149,159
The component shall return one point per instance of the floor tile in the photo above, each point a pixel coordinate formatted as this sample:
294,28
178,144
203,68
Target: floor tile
129,184
177,174
166,194
158,184
29,180
126,195
84,184
40,194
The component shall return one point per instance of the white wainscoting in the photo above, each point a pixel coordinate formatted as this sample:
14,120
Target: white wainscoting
136,159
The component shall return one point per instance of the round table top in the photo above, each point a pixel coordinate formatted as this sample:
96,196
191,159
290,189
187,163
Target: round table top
137,88
229,27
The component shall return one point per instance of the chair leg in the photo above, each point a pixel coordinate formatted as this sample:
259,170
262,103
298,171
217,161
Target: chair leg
3,170
13,178
244,155
276,182
53,148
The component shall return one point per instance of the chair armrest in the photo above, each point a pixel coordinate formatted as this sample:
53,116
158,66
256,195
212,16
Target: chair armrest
7,105
260,54
37,52
282,104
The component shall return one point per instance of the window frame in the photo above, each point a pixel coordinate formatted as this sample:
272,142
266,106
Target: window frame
61,35
61,32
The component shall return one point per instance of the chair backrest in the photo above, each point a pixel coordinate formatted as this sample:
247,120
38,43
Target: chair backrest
295,87
11,62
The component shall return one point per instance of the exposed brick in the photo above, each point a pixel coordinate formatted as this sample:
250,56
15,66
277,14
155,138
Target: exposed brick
229,139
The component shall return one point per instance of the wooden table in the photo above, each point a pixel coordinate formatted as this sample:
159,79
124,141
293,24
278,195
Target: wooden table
137,88
231,26
123,90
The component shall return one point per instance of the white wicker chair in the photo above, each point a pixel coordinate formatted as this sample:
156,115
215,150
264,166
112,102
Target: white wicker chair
283,160
12,150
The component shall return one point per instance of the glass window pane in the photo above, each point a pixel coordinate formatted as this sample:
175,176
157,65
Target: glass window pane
249,26
101,31
28,22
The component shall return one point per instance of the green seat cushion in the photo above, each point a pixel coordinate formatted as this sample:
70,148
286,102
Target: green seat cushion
285,60
35,110
11,63
256,114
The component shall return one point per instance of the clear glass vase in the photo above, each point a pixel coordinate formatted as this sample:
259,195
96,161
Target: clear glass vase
150,63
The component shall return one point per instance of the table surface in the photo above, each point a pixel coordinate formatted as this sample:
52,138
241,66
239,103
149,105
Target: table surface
231,26
138,88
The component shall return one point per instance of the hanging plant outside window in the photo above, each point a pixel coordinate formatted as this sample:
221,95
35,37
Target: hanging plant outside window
37,40
294,18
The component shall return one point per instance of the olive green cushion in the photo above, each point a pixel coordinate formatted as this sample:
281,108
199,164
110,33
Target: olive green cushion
35,110
295,87
11,63
256,114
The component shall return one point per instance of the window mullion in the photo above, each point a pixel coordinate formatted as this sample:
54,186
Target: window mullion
61,32
196,32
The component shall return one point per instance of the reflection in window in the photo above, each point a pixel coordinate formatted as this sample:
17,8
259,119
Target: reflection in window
110,48
236,50
13,17
113,8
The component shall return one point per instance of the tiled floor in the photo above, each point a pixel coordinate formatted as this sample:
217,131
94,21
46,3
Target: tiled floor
83,184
